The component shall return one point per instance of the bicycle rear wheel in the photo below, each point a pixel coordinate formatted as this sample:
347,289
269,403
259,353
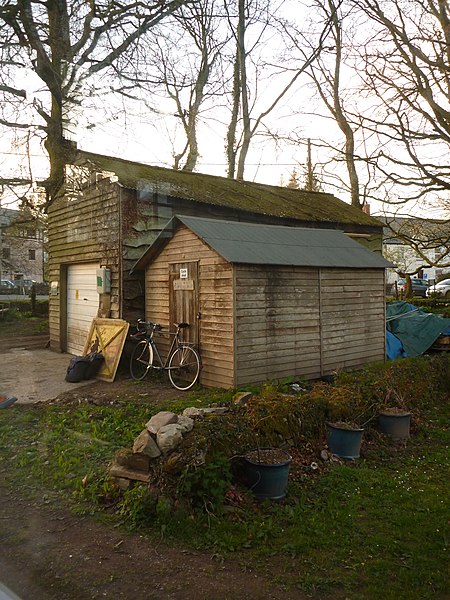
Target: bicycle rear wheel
141,360
184,368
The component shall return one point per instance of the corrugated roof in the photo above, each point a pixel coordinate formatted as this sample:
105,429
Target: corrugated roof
241,195
252,243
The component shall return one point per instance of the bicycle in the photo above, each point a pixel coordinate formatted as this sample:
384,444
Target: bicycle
182,362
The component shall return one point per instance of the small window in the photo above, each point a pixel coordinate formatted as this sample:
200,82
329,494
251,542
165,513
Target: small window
6,253
32,254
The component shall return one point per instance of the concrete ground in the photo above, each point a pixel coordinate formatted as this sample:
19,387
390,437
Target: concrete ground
34,374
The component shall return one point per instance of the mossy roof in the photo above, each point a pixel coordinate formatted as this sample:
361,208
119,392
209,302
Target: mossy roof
239,195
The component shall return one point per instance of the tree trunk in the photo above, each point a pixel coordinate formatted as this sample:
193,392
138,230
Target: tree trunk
231,133
247,134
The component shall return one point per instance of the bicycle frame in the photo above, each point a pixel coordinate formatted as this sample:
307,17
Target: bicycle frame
176,343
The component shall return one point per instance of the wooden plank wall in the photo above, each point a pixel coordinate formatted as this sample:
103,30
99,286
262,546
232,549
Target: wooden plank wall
82,228
277,323
352,317
215,303
293,321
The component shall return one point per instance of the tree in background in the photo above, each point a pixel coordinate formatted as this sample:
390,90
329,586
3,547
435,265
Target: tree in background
293,180
405,68
255,23
178,66
326,73
66,44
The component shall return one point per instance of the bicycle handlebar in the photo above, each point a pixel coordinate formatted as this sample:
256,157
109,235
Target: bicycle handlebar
156,326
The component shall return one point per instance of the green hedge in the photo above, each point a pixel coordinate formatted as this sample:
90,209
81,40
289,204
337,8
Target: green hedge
25,306
435,304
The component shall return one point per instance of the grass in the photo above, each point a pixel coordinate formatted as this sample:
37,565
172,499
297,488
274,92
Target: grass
17,322
376,528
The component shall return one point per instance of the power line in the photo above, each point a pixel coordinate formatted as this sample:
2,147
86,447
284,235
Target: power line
258,164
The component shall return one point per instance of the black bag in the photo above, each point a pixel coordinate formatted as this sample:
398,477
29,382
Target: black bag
77,369
95,362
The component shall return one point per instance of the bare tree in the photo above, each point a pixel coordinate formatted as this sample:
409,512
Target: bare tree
406,69
66,43
189,78
247,114
326,72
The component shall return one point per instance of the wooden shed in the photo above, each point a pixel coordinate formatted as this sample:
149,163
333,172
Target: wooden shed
112,210
265,301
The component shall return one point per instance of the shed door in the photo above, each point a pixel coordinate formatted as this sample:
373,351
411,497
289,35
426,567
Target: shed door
82,304
183,286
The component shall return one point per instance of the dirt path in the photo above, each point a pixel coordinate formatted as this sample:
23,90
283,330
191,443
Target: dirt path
47,553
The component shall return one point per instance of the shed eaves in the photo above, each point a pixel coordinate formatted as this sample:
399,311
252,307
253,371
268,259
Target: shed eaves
251,243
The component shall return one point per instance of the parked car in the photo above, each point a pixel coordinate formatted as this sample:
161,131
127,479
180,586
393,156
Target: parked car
26,283
419,286
442,288
6,283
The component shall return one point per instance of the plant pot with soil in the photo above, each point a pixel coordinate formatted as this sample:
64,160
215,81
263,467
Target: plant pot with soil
394,419
265,472
395,422
344,439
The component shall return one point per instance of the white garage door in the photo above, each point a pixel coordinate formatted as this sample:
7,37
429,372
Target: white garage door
82,304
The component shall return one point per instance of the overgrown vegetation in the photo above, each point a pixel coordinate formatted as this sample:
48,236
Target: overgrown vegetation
343,527
15,322
20,317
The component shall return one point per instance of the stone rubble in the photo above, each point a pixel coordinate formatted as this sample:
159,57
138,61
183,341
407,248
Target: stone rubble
163,433
169,437
145,444
159,420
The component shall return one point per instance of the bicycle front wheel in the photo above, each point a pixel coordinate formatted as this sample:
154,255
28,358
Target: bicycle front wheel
141,360
184,368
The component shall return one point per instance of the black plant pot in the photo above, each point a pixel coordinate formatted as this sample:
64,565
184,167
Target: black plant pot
344,441
266,479
395,424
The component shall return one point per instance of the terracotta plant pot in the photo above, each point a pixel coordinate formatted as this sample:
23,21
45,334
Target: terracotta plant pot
344,440
395,423
266,472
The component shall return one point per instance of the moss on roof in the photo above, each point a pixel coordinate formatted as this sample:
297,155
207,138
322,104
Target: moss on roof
242,195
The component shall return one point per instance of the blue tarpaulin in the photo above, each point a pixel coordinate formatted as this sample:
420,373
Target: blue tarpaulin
416,330
394,346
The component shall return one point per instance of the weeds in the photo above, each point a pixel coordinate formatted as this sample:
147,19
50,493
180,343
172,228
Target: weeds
207,485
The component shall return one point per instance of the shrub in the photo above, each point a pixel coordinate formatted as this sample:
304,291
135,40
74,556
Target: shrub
207,485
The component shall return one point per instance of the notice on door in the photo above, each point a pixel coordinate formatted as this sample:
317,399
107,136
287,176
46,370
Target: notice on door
183,284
